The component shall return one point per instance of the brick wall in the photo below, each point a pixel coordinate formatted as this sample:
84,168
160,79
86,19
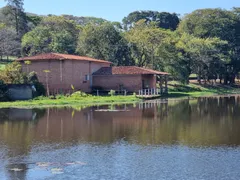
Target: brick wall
132,83
64,73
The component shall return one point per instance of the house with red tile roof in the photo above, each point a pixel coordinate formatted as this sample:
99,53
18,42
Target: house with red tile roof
61,72
129,78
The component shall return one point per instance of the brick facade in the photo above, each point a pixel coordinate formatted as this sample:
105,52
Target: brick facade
131,83
65,73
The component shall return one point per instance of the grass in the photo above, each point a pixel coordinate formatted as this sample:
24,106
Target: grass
195,90
2,66
176,90
69,101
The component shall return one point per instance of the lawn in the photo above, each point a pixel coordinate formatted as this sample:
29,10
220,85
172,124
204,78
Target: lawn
195,90
70,101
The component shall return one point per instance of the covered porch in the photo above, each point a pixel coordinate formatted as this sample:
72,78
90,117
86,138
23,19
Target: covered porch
155,86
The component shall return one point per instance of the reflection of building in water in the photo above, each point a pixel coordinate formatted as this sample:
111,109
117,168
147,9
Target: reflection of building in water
199,122
211,120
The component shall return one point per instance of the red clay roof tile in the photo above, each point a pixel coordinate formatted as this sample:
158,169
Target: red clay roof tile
126,70
58,56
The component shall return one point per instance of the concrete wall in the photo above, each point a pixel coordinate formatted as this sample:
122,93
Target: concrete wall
64,73
132,83
20,92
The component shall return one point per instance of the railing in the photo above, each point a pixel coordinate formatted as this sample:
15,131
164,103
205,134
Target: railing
152,92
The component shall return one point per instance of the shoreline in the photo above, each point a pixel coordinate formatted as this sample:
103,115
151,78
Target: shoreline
101,100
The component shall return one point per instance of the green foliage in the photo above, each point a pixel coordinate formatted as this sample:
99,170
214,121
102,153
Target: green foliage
83,21
79,94
112,93
161,19
12,74
53,34
104,42
145,41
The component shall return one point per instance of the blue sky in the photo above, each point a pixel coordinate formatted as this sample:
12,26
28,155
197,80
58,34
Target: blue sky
115,10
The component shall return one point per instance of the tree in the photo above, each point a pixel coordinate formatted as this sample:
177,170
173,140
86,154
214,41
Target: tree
53,34
15,13
210,23
162,19
12,74
104,42
185,54
145,40
9,44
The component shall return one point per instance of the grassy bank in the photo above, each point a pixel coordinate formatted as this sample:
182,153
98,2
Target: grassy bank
176,90
69,101
195,90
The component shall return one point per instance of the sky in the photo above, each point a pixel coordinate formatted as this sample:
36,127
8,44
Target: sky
116,10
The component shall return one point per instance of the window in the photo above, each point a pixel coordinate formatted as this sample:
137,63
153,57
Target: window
86,77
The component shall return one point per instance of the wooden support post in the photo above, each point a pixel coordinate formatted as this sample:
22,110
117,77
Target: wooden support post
166,84
161,84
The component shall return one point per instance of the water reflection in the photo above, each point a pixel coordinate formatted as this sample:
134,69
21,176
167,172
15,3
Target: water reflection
203,122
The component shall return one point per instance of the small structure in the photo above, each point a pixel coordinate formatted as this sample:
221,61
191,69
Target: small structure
131,79
18,92
60,73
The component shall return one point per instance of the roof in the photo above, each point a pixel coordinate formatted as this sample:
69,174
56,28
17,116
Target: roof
57,56
126,70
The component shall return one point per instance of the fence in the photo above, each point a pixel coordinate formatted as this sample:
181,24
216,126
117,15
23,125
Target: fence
153,91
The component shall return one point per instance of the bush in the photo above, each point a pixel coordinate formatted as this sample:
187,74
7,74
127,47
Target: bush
40,89
3,92
112,93
79,94
60,96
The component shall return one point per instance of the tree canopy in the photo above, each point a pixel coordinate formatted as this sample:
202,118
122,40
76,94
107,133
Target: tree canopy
205,42
162,19
53,34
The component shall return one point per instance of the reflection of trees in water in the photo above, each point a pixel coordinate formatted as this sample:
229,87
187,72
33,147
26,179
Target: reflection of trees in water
205,121
209,121
15,131
15,128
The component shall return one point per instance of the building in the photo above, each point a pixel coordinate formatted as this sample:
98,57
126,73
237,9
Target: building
62,72
130,78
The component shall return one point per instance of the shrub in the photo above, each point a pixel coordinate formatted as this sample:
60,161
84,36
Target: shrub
40,89
3,92
112,93
79,94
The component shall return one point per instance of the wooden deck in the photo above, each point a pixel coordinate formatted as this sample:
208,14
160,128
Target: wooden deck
148,96
151,93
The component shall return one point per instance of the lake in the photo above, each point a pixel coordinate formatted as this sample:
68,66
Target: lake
159,139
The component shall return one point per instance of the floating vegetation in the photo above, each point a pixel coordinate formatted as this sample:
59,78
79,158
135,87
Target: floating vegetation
57,171
43,164
16,169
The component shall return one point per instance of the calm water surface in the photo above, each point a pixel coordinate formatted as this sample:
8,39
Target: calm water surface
168,139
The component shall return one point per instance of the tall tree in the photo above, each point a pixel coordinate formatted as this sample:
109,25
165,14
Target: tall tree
205,23
15,13
145,40
184,54
9,44
104,42
162,19
53,34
